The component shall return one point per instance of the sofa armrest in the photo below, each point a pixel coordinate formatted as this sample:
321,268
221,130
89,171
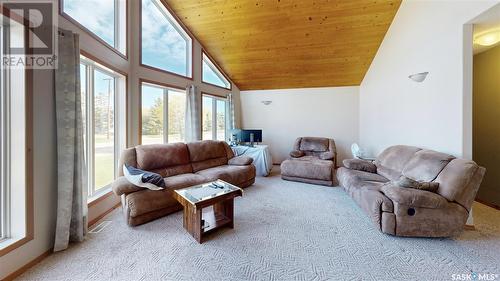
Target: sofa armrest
122,186
297,153
414,197
240,161
360,165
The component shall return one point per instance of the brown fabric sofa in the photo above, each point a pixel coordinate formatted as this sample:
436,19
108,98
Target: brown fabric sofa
181,165
412,212
311,161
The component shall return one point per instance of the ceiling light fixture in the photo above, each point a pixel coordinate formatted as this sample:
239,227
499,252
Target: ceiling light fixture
487,38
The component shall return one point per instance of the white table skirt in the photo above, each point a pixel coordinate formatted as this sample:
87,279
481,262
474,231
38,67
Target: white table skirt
261,156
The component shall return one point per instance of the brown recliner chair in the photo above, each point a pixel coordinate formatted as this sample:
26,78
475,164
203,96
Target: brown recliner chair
312,161
403,211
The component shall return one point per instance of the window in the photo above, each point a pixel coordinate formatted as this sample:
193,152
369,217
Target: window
106,19
103,102
163,114
214,118
212,75
164,43
15,143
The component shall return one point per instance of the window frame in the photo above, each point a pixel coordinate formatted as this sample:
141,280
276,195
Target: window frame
216,69
214,98
120,130
166,87
177,24
8,244
117,37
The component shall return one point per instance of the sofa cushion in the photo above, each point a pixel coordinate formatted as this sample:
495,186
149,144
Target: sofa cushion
210,163
146,201
353,178
459,181
206,150
360,165
308,167
314,144
232,174
406,182
391,162
160,156
207,154
240,160
129,157
425,165
414,197
184,180
327,155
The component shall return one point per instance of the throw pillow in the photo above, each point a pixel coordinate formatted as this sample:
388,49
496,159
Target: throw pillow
142,178
411,183
297,153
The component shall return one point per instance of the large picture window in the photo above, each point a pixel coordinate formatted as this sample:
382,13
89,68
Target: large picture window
15,143
212,75
103,95
163,114
105,19
164,43
214,117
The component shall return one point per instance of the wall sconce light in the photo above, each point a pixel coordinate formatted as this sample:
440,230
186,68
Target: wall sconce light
418,77
267,102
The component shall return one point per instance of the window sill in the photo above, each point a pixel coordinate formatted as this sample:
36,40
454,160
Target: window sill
10,244
99,196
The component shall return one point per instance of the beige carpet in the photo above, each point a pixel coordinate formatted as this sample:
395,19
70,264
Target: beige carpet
283,231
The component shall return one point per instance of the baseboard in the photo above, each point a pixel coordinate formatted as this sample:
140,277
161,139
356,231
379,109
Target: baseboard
488,204
94,221
27,266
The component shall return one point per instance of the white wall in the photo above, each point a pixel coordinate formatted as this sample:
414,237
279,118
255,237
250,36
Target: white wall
436,114
321,112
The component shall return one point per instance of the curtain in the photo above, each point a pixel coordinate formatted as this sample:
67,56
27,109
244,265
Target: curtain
230,113
193,114
71,170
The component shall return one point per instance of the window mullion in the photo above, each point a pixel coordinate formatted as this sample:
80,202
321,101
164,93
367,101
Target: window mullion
214,119
165,115
116,14
91,129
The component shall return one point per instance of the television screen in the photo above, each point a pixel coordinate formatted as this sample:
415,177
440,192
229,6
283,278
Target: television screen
245,135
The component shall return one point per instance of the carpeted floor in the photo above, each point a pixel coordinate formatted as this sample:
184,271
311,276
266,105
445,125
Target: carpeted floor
283,231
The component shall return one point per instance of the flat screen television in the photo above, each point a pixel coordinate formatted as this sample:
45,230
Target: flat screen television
245,135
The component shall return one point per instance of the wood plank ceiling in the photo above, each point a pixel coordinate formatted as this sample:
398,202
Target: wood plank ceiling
277,44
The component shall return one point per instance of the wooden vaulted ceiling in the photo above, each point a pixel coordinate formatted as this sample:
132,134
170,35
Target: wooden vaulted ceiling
276,44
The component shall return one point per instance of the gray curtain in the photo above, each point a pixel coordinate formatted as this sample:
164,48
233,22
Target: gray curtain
230,113
71,180
193,114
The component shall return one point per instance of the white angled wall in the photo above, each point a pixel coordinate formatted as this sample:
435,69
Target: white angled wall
321,112
435,114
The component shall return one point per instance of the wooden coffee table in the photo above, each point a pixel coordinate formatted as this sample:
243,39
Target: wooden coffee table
207,207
